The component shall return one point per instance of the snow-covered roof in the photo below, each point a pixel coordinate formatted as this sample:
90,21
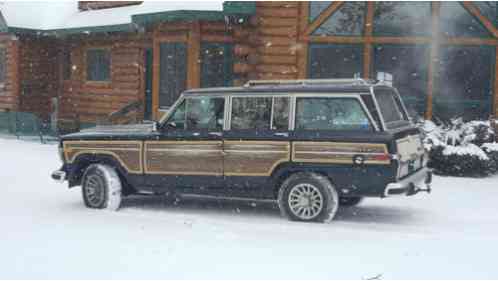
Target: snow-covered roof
50,16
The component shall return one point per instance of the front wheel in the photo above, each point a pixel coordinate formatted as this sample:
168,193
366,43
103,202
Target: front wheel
308,197
101,187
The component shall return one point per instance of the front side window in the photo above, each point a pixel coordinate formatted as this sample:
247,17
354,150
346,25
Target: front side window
342,114
251,113
98,65
199,114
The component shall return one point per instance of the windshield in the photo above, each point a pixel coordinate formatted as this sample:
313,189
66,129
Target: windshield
391,108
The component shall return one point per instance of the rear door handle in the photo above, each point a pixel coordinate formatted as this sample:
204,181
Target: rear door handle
215,134
285,134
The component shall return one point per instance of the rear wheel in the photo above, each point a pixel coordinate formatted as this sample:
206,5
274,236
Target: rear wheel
350,201
101,187
308,197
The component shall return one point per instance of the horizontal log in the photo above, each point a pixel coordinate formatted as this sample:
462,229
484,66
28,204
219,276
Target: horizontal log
242,50
281,4
216,38
278,69
276,76
279,31
214,26
270,41
276,50
276,59
241,68
279,12
273,22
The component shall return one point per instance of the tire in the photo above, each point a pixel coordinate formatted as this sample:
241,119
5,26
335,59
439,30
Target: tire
308,197
350,201
101,187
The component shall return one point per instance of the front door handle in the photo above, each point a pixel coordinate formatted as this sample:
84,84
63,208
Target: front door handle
215,134
284,134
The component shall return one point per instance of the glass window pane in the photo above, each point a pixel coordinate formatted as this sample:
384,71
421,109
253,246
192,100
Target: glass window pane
172,72
456,21
177,119
465,82
408,65
335,61
348,20
316,7
250,113
390,110
216,67
205,113
98,65
330,114
280,113
402,18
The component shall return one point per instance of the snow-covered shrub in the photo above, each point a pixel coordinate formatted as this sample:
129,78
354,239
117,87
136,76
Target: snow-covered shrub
468,160
461,148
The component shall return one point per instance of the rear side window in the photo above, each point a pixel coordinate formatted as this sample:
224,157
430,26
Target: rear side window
251,113
342,114
280,113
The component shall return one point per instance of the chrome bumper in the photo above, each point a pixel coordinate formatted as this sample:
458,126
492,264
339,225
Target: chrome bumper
420,181
59,176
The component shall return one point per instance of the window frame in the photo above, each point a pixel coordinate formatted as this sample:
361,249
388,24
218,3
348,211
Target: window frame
67,64
3,77
97,48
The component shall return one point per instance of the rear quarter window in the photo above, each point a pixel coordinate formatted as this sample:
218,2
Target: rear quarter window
341,114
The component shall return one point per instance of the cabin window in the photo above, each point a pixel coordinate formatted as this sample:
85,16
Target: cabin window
456,21
466,74
335,61
342,114
251,113
348,20
172,72
66,65
3,64
216,66
402,18
98,65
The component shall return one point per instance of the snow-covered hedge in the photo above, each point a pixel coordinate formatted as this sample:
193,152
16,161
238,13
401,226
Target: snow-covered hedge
461,149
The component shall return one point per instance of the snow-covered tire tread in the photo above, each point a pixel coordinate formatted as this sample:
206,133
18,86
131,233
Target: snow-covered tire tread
112,185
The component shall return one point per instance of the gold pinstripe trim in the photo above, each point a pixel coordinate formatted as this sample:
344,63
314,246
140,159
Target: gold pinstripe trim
68,146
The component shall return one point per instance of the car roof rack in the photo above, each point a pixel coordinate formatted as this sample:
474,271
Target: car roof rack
342,81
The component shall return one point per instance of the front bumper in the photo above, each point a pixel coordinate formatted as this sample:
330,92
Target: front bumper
59,176
419,181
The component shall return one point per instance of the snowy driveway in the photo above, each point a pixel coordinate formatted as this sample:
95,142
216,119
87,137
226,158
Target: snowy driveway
48,233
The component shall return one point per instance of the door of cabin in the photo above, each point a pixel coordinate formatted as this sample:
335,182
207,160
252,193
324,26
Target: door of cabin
148,84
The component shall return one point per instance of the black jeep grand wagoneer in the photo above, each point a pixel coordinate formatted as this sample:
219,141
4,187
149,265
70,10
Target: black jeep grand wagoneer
312,145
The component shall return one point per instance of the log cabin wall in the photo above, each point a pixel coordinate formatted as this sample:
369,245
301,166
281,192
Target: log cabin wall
38,74
9,90
91,102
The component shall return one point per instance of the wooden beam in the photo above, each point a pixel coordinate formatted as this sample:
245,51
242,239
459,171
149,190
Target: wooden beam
324,15
495,90
193,56
484,20
302,50
432,69
155,77
367,48
16,70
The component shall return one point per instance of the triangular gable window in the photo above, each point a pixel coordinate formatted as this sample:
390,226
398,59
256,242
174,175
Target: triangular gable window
487,9
348,20
402,18
456,21
316,7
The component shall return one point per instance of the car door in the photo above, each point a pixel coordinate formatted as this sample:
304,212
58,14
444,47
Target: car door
256,143
188,152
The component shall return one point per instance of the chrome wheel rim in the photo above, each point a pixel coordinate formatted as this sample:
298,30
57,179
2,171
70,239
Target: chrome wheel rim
305,201
94,190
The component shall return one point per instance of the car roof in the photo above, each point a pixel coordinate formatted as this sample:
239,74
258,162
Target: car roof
317,86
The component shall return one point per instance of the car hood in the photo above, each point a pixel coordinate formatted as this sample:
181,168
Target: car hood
115,131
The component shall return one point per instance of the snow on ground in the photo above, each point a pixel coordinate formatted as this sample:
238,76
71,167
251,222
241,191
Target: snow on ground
47,233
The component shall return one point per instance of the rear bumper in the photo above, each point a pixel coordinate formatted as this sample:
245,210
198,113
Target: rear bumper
411,185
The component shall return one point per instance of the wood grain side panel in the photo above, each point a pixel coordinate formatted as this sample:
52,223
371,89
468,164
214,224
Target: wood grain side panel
127,153
339,153
184,158
254,158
